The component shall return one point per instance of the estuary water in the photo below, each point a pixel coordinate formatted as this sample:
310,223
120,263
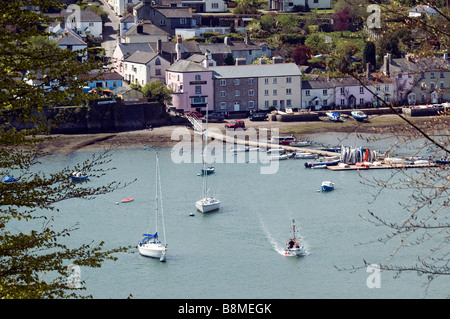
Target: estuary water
236,252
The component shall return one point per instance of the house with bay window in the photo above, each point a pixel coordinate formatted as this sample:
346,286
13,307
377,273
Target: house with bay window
191,85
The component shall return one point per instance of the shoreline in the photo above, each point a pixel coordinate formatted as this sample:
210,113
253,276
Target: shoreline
162,136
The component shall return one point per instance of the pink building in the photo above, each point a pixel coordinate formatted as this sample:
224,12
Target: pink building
192,87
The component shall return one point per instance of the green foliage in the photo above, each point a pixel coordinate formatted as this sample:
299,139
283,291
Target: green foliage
157,91
33,262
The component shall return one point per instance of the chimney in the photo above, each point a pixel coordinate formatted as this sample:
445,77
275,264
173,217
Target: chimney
367,69
445,56
247,39
140,28
227,40
386,64
159,46
205,62
179,47
240,61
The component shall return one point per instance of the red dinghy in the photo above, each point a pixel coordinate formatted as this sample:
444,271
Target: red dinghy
127,200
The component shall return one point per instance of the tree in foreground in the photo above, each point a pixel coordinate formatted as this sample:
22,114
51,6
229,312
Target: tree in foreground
33,259
420,229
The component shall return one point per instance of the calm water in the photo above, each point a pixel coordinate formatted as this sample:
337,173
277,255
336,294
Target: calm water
235,252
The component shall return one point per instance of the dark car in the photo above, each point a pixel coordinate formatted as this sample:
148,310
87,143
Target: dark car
216,117
235,124
258,117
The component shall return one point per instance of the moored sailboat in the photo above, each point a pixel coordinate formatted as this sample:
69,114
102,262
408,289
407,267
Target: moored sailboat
150,245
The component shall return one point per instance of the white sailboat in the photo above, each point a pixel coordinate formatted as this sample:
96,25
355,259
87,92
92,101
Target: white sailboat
208,203
150,244
294,245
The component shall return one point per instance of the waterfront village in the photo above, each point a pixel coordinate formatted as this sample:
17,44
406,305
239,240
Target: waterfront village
205,56
164,41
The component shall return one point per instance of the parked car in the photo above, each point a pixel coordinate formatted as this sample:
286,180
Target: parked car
216,117
193,113
235,124
258,117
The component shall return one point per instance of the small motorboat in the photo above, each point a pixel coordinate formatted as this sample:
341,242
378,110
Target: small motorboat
327,186
359,116
301,155
127,200
9,179
294,248
208,170
328,161
334,117
78,177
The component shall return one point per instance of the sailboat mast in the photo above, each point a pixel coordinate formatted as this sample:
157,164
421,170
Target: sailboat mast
156,195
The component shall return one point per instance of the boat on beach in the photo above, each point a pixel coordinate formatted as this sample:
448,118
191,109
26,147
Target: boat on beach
150,245
359,116
294,246
334,116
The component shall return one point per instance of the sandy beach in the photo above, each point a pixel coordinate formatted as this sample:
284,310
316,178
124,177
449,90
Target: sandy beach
162,136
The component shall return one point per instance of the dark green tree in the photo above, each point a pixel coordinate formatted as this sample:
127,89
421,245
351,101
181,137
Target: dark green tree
34,262
370,55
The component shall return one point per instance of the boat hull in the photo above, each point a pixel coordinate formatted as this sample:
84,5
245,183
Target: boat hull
208,204
327,186
294,252
152,250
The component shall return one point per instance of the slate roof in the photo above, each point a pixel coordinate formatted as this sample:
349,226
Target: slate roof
130,48
85,15
173,13
184,66
141,57
147,29
256,70
417,65
69,37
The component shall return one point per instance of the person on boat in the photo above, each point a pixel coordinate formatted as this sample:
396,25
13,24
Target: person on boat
291,244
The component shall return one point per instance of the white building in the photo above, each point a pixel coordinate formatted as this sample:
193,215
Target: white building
144,67
120,7
289,5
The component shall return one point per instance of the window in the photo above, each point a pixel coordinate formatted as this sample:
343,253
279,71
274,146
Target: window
422,75
198,89
307,93
442,85
432,86
237,93
288,103
274,80
223,82
266,81
275,92
251,93
288,91
378,88
251,81
386,88
432,75
266,104
275,103
400,75
361,90
162,22
342,101
361,101
325,102
342,91
198,77
157,61
251,104
223,94
266,92
423,86
214,5
289,80
442,75
182,21
236,82
223,105
157,71
324,92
